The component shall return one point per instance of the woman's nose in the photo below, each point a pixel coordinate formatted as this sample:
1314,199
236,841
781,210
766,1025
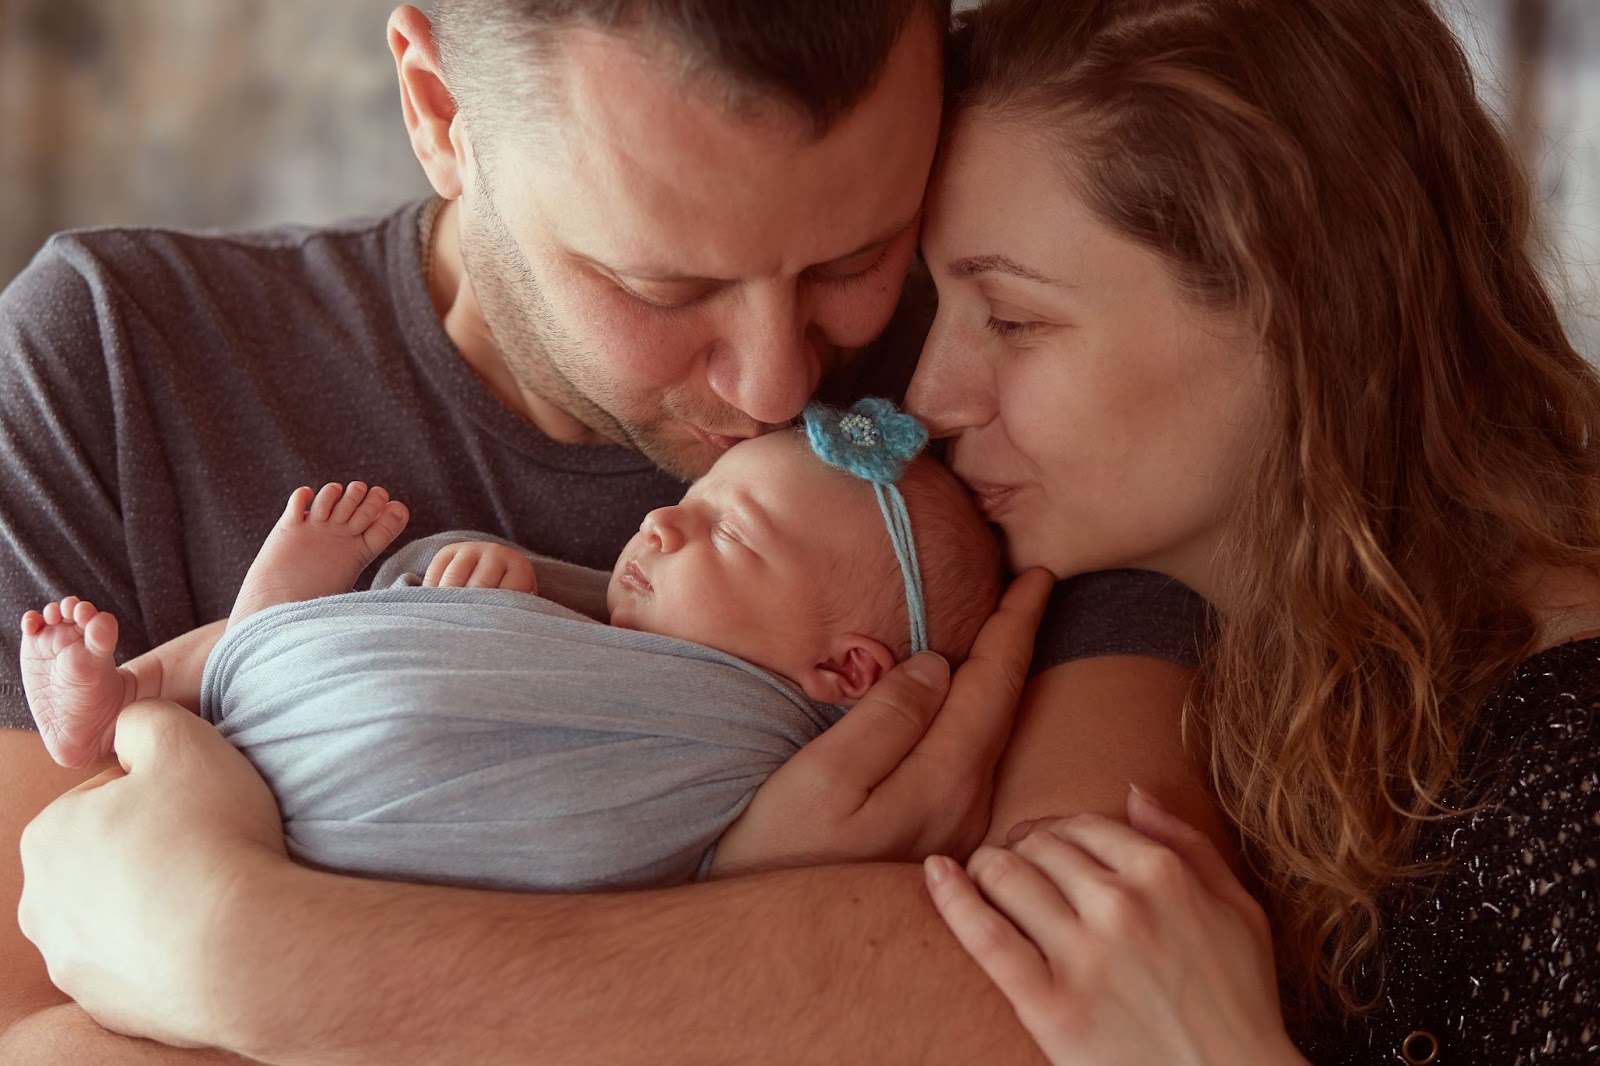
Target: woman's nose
953,388
664,526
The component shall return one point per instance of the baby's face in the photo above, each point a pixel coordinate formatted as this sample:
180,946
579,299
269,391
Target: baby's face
749,561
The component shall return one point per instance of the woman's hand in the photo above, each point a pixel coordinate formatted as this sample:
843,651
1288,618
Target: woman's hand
476,564
126,876
1117,944
909,771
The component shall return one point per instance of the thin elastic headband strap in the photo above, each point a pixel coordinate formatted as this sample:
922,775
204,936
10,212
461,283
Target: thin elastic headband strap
895,516
874,441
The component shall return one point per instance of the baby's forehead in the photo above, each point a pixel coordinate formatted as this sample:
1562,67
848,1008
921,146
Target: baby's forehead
794,486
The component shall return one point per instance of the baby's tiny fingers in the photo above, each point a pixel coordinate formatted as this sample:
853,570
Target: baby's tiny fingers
1010,959
459,573
487,574
441,562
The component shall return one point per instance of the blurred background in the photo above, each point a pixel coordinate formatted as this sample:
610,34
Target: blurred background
246,112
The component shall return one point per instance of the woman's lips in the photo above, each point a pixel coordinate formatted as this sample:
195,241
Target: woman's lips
993,500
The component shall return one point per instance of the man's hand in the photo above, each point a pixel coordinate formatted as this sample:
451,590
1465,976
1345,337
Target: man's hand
476,564
910,770
125,876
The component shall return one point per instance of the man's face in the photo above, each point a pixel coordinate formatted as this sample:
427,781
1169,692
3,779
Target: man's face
676,277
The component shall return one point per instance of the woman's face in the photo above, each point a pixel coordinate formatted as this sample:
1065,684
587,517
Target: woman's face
1102,419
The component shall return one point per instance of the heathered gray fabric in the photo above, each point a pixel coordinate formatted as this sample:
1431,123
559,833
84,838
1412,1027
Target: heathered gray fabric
496,739
1122,612
161,394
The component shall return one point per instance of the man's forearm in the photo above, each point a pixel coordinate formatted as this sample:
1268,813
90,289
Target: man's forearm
59,1036
830,965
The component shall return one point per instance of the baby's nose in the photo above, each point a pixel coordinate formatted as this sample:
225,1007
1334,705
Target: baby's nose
662,526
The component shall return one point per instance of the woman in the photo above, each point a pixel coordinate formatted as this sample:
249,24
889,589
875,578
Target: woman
1268,327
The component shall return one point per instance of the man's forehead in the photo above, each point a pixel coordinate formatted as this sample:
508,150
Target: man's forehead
648,176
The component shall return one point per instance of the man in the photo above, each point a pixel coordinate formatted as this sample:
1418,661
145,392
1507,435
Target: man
664,225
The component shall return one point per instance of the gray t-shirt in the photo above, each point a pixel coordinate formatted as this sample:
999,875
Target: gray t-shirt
161,394
495,739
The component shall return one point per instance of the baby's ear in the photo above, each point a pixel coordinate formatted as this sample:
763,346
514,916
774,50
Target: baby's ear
853,665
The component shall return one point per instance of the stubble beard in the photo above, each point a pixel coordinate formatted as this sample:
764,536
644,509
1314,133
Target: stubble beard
547,360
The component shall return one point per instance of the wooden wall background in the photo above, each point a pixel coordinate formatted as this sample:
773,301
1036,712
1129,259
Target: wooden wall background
244,112
194,112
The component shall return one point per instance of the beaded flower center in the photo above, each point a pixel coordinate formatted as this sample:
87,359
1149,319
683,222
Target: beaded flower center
861,429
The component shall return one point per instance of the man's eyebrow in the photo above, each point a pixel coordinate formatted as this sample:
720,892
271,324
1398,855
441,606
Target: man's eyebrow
646,272
973,265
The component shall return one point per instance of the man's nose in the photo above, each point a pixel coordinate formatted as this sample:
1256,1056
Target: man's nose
664,525
769,364
953,388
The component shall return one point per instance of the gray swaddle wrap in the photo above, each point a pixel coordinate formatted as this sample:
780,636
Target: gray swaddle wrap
491,738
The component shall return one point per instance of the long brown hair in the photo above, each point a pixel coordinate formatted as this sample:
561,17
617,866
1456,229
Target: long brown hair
1326,166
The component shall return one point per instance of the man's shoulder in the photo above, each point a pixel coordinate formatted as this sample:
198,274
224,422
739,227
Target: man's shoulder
159,264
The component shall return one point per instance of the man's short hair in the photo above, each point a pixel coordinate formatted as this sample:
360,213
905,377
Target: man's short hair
818,58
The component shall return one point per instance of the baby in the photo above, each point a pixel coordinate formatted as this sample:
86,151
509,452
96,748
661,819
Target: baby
448,725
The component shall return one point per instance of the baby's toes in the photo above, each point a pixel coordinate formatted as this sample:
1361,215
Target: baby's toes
371,505
83,612
52,613
32,624
294,512
327,497
386,526
100,635
354,494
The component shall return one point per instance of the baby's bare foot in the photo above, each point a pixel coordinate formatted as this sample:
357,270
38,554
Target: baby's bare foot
320,546
70,675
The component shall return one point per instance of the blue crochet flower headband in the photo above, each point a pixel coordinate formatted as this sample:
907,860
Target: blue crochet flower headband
874,441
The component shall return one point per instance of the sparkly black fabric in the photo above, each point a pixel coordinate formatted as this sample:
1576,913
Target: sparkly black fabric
1497,960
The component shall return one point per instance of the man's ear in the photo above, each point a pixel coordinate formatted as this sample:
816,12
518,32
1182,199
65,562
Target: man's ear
430,109
853,665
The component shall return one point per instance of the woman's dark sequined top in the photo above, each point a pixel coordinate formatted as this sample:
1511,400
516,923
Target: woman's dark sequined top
1496,962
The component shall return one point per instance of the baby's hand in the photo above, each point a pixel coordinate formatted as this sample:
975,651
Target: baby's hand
474,564
71,679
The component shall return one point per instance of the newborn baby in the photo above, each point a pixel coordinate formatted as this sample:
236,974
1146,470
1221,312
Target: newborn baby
448,725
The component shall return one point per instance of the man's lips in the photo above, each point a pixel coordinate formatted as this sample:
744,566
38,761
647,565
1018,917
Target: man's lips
633,578
720,441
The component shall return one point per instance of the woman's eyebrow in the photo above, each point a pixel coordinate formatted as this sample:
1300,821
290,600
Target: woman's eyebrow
973,265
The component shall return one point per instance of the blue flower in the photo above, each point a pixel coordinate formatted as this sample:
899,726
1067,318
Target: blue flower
873,440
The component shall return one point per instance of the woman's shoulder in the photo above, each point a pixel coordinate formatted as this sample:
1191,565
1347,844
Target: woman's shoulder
1122,612
1495,957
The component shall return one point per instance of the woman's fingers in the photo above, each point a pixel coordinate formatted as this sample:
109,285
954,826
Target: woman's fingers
1011,960
1031,896
975,723
1196,849
957,756
870,742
